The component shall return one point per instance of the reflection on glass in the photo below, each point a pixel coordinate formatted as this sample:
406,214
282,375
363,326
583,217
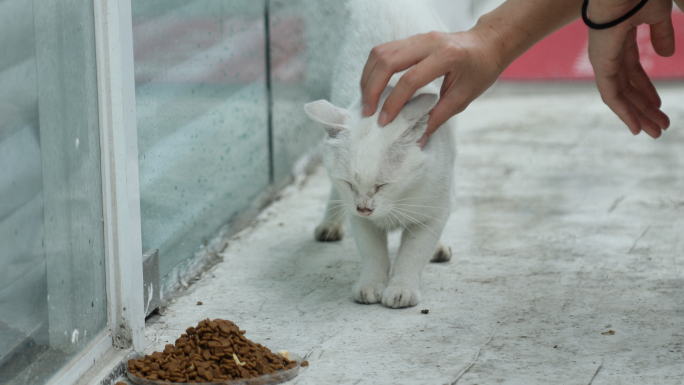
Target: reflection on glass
305,36
202,119
52,275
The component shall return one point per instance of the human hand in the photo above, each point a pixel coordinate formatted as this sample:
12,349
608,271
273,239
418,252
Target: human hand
468,61
622,82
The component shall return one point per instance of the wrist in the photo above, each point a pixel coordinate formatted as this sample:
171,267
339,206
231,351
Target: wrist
502,39
603,11
489,46
517,25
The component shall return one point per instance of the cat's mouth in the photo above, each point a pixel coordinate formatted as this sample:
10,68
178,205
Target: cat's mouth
364,211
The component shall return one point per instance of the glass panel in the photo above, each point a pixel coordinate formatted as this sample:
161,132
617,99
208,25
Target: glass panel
305,36
202,119
52,274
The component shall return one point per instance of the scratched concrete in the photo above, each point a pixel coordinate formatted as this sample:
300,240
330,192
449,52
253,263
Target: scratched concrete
567,227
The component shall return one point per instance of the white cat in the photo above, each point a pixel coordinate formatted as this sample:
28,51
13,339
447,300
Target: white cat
382,179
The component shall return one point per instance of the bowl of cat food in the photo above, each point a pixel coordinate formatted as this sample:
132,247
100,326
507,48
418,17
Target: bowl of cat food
214,353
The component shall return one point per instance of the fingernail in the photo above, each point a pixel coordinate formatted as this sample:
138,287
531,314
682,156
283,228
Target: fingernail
367,109
382,119
421,142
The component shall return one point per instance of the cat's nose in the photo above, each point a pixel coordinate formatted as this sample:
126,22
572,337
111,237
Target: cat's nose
364,211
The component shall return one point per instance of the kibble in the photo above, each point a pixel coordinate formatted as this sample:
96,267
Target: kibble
213,351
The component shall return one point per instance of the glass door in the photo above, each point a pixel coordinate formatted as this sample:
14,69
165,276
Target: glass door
53,297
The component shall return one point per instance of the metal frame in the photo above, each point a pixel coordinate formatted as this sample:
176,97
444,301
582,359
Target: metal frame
121,193
120,183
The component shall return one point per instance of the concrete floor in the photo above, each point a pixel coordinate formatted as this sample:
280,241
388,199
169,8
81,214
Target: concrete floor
567,227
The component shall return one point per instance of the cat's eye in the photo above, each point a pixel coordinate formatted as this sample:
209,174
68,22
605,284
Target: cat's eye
350,186
377,188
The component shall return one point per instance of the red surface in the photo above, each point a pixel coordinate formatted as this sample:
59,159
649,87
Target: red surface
563,55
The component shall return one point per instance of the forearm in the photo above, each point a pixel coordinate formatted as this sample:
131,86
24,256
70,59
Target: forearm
517,25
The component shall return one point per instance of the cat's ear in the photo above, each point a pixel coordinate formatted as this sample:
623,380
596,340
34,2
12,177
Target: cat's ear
332,118
416,112
418,107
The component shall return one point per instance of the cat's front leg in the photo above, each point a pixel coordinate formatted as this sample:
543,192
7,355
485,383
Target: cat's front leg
371,242
331,229
418,244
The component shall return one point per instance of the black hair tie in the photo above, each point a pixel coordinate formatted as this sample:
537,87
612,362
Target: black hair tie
613,23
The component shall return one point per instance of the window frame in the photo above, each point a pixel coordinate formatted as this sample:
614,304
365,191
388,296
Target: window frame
125,331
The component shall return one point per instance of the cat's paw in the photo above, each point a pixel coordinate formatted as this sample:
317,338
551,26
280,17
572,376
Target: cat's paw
396,296
329,232
368,292
442,253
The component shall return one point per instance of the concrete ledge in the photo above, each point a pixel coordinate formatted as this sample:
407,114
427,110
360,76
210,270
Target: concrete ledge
567,227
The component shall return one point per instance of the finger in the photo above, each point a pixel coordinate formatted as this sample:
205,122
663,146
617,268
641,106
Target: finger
371,62
376,53
419,76
620,105
441,112
387,59
606,51
638,77
623,105
652,112
611,90
642,82
448,106
418,45
648,126
640,101
663,38
374,56
370,95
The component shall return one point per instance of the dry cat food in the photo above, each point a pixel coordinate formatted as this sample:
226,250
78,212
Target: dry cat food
214,351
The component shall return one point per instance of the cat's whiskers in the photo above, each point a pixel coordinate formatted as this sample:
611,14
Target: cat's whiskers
421,197
384,223
401,223
392,220
427,207
414,221
339,214
419,213
337,217
418,222
334,207
326,236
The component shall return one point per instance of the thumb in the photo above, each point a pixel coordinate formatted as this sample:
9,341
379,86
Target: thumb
662,37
